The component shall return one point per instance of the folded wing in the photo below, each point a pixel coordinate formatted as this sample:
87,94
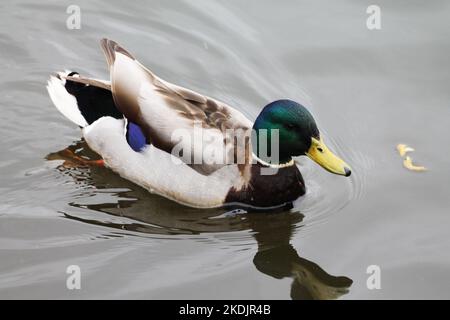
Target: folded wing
192,126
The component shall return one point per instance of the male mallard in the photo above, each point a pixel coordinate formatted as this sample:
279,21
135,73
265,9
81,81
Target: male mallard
131,122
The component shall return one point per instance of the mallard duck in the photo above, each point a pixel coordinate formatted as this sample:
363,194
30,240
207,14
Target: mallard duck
138,124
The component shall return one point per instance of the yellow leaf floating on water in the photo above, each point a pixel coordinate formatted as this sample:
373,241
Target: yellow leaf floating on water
403,149
407,163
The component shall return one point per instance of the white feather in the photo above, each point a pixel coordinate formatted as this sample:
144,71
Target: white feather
156,170
64,101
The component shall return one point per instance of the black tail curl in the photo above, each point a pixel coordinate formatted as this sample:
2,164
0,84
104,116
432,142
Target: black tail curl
93,102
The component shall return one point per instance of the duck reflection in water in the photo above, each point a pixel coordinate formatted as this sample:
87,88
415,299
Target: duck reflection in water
277,258
154,215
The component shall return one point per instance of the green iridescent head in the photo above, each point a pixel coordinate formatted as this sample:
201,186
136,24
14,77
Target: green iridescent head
298,135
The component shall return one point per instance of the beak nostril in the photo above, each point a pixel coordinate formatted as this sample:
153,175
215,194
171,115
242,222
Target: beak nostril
348,172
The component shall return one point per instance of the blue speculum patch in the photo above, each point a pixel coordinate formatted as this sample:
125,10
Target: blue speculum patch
135,137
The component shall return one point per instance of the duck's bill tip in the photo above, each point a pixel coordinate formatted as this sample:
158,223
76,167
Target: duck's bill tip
347,171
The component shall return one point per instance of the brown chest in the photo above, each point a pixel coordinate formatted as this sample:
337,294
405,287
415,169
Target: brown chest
264,190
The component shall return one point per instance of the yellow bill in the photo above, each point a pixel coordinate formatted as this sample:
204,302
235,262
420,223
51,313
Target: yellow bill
320,153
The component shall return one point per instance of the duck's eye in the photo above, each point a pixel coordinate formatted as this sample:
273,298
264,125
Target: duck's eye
291,125
319,149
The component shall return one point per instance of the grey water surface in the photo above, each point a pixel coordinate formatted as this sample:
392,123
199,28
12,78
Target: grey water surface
368,90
